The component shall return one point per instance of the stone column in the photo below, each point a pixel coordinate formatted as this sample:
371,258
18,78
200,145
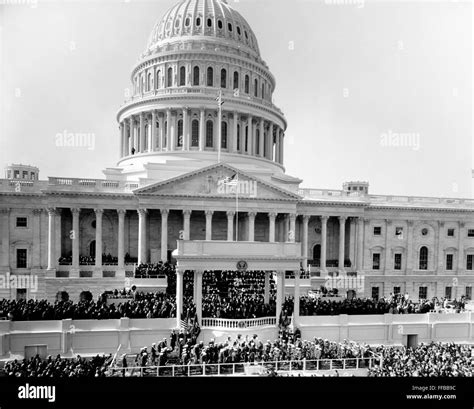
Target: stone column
209,214
161,121
305,240
266,294
179,297
292,232
174,133
186,224
58,235
410,247
98,237
122,139
234,132
164,234
121,239
280,296
251,233
36,259
51,239
440,246
277,146
202,129
342,237
250,135
360,244
142,250
168,130
186,143
270,142
282,145
324,230
142,132
75,237
152,145
297,297
261,149
461,262
388,253
271,229
230,225
198,294
132,142
126,130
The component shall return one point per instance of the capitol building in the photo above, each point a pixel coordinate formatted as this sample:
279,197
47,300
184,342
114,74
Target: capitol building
201,182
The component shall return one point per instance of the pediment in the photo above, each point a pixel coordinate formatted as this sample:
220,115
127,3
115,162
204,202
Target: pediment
220,180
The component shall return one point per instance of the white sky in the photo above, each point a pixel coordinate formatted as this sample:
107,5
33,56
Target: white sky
406,67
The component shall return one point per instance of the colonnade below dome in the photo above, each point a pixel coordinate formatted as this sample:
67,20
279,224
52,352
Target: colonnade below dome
174,130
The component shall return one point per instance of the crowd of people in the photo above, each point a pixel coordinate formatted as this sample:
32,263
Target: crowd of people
143,305
434,359
58,367
237,295
150,270
394,304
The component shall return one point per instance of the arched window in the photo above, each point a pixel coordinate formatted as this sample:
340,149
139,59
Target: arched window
229,26
263,91
196,76
195,133
179,142
219,24
247,84
255,88
198,21
424,258
148,85
182,76
317,254
209,22
224,135
223,78
238,137
170,77
187,22
236,80
210,77
158,80
209,134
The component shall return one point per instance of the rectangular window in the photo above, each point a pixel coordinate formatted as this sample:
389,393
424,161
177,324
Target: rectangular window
450,232
398,261
469,261
375,293
448,292
469,293
25,174
376,261
21,222
422,293
396,290
16,174
470,233
449,261
399,232
21,294
21,255
377,230
32,175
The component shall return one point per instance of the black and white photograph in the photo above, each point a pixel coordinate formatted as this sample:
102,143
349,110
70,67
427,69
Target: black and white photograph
236,204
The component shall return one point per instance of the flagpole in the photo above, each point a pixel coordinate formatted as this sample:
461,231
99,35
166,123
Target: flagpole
237,210
219,130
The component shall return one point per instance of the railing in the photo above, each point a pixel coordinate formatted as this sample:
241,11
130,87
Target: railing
234,323
255,368
211,91
93,183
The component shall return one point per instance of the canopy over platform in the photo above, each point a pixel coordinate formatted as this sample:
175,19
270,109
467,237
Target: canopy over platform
200,255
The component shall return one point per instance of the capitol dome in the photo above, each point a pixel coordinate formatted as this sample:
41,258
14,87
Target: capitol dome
170,123
214,19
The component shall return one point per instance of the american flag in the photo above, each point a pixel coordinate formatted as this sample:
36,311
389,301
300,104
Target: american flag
219,100
231,180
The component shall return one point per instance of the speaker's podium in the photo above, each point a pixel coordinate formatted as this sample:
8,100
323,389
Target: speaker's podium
410,340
